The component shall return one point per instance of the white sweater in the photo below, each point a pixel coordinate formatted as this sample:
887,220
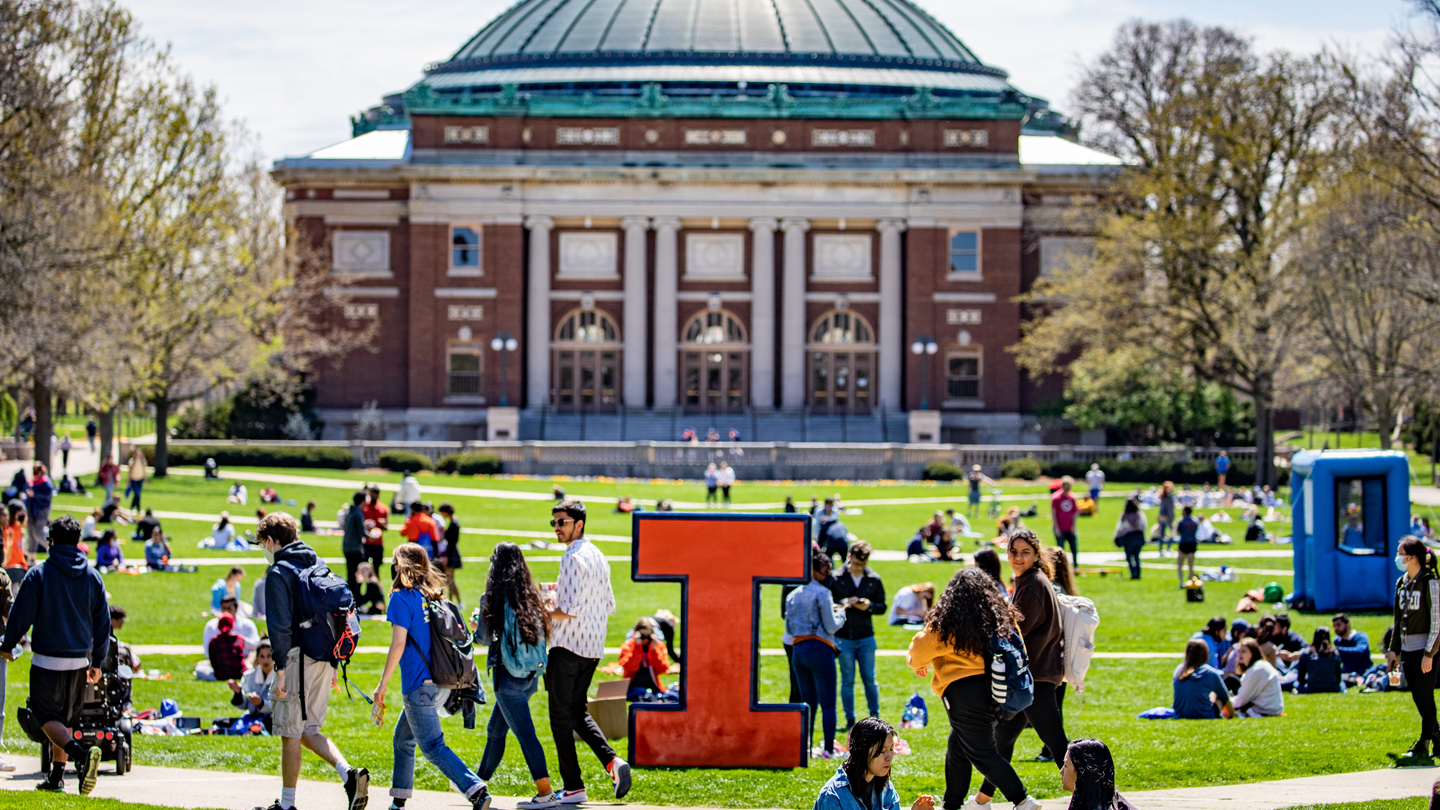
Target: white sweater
1260,691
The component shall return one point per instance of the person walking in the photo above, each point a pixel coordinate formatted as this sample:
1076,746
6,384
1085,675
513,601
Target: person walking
302,684
1222,468
1064,509
712,483
107,475
514,626
1187,530
65,446
1039,608
138,472
352,541
726,478
1165,517
17,559
91,431
416,584
583,604
861,592
377,520
1095,480
37,503
451,556
62,605
976,479
409,493
952,651
1130,535
811,619
1415,641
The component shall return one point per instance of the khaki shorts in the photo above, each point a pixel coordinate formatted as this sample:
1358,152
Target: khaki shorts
319,679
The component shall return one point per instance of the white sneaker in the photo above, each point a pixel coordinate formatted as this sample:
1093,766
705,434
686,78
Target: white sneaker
1029,804
539,802
974,805
572,796
6,765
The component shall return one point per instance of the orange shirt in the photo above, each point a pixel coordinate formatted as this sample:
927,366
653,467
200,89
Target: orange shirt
632,657
15,547
419,524
945,665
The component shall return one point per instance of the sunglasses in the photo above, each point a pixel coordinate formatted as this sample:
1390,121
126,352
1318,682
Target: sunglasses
560,522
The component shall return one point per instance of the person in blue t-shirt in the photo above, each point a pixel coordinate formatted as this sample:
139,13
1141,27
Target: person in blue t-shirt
1199,688
1222,466
1353,646
416,583
1215,639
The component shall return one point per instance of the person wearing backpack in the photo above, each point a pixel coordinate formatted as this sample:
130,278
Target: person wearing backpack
417,587
1130,535
302,682
1040,629
954,651
583,604
514,626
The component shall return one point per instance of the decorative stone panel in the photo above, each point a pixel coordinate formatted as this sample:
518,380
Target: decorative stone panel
361,253
588,255
715,256
842,257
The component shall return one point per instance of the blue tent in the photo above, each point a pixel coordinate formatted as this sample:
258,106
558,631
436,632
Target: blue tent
1351,507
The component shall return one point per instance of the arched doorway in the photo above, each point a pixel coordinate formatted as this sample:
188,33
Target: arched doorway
586,362
716,363
842,359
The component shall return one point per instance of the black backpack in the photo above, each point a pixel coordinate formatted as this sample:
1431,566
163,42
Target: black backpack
451,666
326,626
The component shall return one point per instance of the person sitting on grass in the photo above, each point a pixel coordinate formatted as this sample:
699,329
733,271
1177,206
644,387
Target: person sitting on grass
1214,637
1319,668
226,586
643,660
1089,773
307,518
911,604
1353,646
863,781
157,554
269,495
108,556
222,534
1199,690
252,692
225,651
1229,664
1260,694
369,598
238,494
242,626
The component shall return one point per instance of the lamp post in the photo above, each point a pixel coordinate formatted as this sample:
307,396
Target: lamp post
504,343
922,346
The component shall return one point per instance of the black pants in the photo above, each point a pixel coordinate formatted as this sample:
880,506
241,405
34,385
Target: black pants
1061,538
1060,704
1132,555
1044,715
794,681
972,743
567,679
352,564
375,554
1422,691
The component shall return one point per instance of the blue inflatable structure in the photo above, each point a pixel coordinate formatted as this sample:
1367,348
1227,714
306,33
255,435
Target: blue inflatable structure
1351,507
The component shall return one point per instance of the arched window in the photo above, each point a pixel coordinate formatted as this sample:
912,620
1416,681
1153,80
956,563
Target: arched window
714,327
587,326
841,328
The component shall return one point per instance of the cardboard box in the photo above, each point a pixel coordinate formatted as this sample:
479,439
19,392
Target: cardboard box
610,709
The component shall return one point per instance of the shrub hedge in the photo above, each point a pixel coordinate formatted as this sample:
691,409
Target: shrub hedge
404,461
1027,468
469,464
1156,471
943,471
261,455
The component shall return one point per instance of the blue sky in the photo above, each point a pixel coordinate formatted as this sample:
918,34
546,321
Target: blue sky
296,70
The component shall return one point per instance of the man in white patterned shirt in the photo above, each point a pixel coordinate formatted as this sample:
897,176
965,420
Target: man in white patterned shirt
584,602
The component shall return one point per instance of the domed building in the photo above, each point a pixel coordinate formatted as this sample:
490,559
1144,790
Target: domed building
806,219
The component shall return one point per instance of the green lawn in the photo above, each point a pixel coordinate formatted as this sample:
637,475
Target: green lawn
1145,616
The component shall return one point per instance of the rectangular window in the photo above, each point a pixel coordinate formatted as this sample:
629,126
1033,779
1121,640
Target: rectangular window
966,137
466,245
964,253
1360,516
842,137
465,366
587,136
467,312
962,376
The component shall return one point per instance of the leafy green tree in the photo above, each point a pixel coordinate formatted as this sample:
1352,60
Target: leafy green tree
1139,401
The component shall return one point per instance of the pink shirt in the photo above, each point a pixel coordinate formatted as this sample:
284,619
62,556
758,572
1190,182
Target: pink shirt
1064,510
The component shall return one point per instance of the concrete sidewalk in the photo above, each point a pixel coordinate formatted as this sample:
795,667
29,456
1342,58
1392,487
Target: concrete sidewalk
179,787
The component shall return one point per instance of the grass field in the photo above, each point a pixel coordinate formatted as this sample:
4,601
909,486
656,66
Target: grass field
1151,615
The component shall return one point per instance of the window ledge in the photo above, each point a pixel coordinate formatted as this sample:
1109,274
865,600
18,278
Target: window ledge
359,273
587,276
964,404
842,279
466,272
463,399
731,277
964,277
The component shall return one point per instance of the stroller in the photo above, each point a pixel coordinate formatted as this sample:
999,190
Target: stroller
100,722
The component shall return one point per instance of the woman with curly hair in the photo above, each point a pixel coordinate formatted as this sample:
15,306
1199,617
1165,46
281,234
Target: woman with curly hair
511,615
1089,773
953,650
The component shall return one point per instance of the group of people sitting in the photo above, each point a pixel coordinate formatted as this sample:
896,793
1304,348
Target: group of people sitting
1246,672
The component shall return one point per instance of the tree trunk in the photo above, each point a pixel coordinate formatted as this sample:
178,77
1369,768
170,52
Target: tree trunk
106,425
1387,423
44,423
1264,439
162,436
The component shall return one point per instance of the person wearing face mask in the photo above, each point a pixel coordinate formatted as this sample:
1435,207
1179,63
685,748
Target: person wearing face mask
1416,639
811,619
863,782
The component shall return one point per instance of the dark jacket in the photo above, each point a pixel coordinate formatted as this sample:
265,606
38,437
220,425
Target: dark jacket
1318,673
353,539
63,599
857,622
42,490
1417,612
452,544
1040,627
282,592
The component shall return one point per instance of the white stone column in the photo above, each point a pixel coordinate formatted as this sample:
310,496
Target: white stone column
667,272
762,312
537,307
891,349
636,310
792,320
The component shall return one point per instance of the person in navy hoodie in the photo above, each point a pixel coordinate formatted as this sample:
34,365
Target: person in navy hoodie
63,600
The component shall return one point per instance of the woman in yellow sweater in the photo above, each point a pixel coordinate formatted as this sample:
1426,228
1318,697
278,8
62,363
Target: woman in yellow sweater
952,652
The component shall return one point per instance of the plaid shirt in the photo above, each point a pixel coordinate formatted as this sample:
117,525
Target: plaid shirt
583,591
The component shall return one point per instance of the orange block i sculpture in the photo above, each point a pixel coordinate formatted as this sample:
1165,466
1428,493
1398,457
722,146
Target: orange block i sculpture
720,562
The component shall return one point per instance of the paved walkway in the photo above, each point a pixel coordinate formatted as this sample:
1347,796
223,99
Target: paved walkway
180,787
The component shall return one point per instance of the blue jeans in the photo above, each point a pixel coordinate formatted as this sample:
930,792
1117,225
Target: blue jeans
419,722
815,671
512,713
863,653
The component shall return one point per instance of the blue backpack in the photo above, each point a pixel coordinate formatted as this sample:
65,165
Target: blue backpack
326,627
521,660
1011,685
